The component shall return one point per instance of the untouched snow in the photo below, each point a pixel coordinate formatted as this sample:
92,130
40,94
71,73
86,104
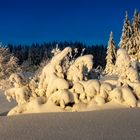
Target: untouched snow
119,124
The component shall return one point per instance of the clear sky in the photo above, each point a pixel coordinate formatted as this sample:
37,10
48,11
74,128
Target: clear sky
89,21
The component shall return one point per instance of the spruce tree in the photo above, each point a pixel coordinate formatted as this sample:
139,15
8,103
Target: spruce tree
126,32
139,22
131,36
135,24
133,44
110,55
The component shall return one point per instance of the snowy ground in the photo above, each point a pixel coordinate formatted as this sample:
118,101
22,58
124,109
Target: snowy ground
5,106
119,124
110,121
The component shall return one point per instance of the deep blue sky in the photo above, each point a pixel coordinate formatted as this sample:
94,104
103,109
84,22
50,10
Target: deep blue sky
89,21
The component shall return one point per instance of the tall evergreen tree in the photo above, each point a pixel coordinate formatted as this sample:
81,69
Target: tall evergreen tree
134,44
139,22
131,36
111,55
126,32
135,24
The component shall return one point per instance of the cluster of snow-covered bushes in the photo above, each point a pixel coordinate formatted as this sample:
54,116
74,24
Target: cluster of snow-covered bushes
65,84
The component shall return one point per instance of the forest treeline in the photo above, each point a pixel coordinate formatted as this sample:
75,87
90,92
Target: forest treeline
36,53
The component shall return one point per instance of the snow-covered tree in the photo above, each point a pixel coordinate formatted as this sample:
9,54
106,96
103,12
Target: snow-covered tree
56,50
111,55
135,24
139,21
133,45
8,63
130,39
124,68
126,32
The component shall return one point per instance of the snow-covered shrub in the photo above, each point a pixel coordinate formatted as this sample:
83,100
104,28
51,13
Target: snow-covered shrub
80,68
124,68
129,97
55,83
59,80
124,95
33,85
136,88
116,94
91,88
27,67
56,50
132,74
99,100
22,90
17,79
62,98
99,72
8,63
52,73
105,89
77,90
122,61
20,94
